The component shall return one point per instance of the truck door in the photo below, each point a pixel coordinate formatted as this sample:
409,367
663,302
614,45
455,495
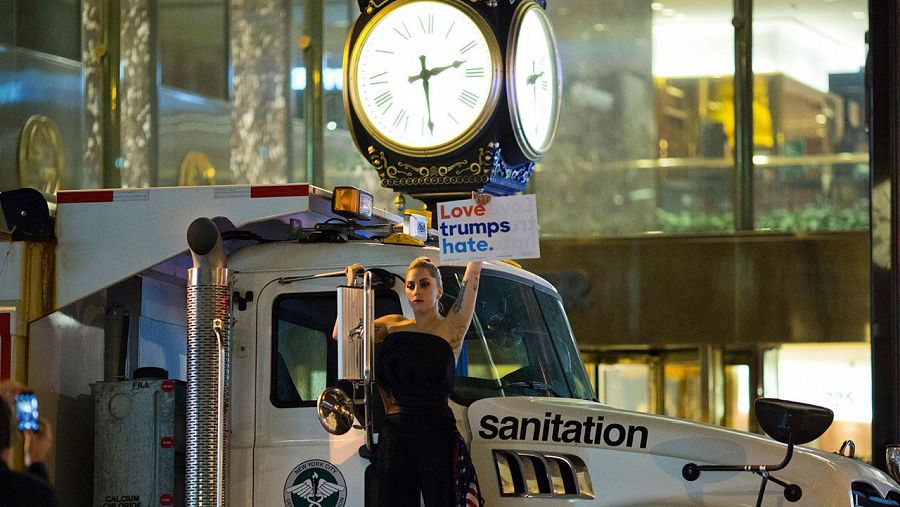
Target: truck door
296,462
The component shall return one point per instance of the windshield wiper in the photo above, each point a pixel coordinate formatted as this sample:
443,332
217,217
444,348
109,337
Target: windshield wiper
533,385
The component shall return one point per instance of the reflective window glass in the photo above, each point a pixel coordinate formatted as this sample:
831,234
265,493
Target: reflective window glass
342,162
643,137
810,145
846,389
193,97
625,385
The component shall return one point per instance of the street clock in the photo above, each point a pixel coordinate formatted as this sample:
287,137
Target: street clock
432,98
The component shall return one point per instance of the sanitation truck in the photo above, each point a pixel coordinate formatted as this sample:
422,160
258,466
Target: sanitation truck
240,287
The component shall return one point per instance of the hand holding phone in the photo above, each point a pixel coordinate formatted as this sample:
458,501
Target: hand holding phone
38,443
27,411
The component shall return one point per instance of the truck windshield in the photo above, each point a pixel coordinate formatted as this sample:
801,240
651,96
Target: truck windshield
519,342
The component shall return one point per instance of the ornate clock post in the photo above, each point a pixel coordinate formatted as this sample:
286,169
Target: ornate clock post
448,96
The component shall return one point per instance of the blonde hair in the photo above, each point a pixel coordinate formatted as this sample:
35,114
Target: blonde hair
426,264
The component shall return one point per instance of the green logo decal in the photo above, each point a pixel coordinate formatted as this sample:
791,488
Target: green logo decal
315,483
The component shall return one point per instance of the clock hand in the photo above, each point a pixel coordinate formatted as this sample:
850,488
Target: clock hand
424,75
428,104
437,70
532,79
427,73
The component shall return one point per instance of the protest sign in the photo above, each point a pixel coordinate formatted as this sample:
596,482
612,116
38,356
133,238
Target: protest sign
505,228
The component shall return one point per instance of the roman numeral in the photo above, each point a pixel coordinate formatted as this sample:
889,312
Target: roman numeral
468,98
374,79
427,26
452,118
544,85
400,117
384,98
467,47
385,51
405,33
449,29
475,72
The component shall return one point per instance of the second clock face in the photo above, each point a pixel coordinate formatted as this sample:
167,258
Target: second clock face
423,76
534,80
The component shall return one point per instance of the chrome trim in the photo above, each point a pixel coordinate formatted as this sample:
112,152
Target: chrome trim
850,447
207,276
529,475
556,469
892,460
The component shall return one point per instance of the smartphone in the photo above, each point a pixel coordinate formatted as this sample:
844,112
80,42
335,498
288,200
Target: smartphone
27,411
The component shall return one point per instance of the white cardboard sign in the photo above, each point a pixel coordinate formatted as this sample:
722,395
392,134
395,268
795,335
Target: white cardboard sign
505,228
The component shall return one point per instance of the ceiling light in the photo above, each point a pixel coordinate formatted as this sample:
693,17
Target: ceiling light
657,6
859,15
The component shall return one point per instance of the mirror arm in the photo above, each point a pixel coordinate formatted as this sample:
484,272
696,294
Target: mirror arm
792,492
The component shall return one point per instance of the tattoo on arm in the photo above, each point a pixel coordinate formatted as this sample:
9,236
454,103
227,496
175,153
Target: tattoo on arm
464,294
459,300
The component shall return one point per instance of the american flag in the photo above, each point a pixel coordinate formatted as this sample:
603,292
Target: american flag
473,497
467,492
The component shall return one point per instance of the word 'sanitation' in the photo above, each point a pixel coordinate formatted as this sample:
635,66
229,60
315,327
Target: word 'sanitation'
553,428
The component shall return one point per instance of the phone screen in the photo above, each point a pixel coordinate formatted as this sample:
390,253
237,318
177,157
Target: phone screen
27,411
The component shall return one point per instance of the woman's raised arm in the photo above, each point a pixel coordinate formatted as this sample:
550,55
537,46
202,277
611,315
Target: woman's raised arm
460,314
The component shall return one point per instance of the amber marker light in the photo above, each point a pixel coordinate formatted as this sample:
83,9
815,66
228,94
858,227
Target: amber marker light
351,202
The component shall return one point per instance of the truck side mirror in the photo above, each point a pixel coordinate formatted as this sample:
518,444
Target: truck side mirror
25,214
335,410
787,421
356,349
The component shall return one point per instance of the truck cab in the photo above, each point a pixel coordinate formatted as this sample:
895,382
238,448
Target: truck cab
521,397
519,344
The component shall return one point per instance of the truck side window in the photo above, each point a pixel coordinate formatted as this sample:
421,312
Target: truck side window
304,356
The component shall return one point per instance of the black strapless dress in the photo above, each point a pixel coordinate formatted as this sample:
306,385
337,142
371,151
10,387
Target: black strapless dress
419,446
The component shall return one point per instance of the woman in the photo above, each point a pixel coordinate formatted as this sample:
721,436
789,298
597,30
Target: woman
419,448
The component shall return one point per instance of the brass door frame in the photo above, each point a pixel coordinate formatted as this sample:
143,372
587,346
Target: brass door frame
712,361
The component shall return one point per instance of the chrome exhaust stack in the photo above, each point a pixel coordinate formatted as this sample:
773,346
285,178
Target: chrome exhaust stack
208,367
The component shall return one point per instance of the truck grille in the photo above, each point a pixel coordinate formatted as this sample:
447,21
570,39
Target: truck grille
539,474
866,495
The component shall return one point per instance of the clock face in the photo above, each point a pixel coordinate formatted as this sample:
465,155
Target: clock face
424,76
534,80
